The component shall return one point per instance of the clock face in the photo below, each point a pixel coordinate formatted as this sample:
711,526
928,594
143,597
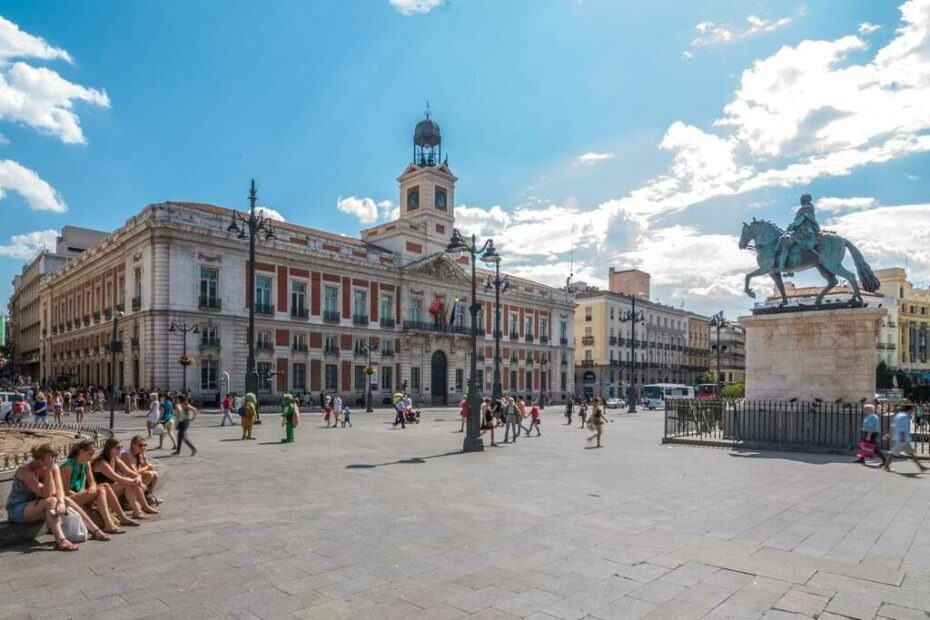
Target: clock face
413,198
441,198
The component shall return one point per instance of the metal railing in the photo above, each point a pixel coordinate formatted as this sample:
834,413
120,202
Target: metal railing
330,316
264,309
360,319
211,342
810,426
299,312
425,326
387,322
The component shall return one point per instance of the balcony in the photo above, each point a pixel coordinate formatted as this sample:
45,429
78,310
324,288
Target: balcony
300,347
587,318
587,363
360,352
529,338
264,345
107,314
330,316
387,322
212,342
86,320
134,343
587,340
360,319
210,302
299,312
514,335
544,340
266,309
513,358
613,340
563,342
69,323
529,361
96,316
54,329
121,307
427,326
137,303
330,350
387,353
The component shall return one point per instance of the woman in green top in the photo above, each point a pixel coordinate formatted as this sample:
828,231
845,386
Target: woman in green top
81,488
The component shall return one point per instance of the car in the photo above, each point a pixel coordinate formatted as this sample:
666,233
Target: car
613,403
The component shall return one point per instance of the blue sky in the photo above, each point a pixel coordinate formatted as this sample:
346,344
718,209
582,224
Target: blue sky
639,133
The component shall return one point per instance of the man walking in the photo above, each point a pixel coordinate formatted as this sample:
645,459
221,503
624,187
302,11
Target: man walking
337,410
901,438
568,410
510,411
871,431
401,413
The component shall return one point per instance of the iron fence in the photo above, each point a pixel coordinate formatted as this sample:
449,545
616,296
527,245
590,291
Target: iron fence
814,426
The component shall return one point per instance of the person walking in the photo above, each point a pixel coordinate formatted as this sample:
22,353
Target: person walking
290,417
249,409
154,414
57,406
185,414
510,415
534,420
40,409
901,439
346,417
521,414
463,412
401,413
337,410
583,413
166,408
67,401
327,410
597,420
569,404
79,404
871,431
227,410
488,418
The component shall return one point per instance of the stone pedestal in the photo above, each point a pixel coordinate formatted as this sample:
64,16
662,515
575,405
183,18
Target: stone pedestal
826,354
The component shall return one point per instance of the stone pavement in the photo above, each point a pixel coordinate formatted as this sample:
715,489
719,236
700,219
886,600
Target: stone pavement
371,522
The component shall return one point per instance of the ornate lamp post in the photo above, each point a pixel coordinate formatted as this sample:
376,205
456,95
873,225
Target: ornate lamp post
249,228
543,374
632,317
458,245
116,347
491,257
717,321
185,360
366,349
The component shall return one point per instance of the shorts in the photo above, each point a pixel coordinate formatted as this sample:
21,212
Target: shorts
17,512
901,446
169,425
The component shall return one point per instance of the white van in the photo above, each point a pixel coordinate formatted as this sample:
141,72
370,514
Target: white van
656,394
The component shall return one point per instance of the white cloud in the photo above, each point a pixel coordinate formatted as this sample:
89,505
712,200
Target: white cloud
38,194
867,28
25,246
14,43
409,7
687,55
832,204
715,34
482,222
911,177
271,214
593,158
367,210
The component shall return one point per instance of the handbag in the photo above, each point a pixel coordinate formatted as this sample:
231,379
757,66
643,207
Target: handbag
72,526
159,430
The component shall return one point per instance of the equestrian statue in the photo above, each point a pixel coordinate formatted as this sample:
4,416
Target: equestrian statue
803,246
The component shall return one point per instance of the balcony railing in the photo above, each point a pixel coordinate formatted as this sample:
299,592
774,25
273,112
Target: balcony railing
530,338
136,303
330,316
587,363
300,347
425,326
387,353
359,352
563,342
587,340
513,358
360,319
212,342
120,307
134,343
299,312
107,314
330,350
387,322
211,302
514,335
613,340
264,345
267,309
86,319
96,316
544,339
69,323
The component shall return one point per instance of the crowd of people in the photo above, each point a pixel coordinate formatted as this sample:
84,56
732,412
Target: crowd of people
50,405
899,437
91,494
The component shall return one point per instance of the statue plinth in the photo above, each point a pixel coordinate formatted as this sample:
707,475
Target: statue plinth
828,354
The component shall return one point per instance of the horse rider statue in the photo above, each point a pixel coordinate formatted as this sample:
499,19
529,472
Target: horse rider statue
803,233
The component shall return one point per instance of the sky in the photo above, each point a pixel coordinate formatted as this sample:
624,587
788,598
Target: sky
585,133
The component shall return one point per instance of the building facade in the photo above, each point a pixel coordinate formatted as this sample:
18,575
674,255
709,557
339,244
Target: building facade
728,353
328,306
913,322
671,345
25,305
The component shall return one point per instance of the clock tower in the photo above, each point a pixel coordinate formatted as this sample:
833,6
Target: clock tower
427,199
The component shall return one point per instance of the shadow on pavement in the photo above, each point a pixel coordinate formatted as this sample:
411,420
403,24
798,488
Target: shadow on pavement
416,460
813,459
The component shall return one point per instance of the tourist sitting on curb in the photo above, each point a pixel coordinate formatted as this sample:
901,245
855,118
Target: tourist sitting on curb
249,413
134,458
109,469
901,438
37,493
81,488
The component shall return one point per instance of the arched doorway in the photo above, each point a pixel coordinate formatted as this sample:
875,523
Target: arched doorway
439,378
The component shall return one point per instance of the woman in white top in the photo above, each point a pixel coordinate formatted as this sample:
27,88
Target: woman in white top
151,421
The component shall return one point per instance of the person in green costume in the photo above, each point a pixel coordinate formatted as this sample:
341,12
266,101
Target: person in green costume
290,417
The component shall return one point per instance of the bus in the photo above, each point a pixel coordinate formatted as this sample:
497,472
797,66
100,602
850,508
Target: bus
655,395
706,391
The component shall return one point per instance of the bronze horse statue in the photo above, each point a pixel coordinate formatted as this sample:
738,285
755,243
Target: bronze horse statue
827,258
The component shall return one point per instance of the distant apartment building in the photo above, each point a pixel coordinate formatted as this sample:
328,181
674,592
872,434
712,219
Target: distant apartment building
913,322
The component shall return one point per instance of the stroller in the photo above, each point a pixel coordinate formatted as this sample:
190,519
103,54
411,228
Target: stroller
411,415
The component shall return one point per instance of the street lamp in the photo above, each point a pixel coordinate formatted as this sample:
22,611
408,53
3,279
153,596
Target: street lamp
543,379
632,317
185,330
116,346
249,228
365,348
718,321
491,257
458,245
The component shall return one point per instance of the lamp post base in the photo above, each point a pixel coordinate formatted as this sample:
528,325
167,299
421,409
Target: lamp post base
473,444
632,409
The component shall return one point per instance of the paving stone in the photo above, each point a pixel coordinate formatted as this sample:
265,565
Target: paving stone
802,602
477,600
626,608
854,605
528,602
894,612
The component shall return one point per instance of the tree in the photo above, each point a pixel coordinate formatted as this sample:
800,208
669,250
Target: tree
734,390
708,376
884,376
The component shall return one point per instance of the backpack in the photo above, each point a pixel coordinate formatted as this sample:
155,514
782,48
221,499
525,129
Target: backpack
241,411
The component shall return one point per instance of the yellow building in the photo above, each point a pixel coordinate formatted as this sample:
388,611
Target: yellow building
913,323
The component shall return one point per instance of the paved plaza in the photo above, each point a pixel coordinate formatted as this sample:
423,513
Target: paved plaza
372,522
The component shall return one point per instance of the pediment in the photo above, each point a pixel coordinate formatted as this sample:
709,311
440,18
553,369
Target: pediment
439,266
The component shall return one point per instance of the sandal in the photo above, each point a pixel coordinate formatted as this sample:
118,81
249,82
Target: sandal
65,545
140,516
129,522
150,511
100,535
114,530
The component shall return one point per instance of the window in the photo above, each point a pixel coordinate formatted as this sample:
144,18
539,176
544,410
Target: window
415,379
109,299
208,334
416,309
263,291
563,330
587,355
137,282
264,376
264,340
513,324
331,344
387,304
359,303
331,374
513,380
529,381
208,374
563,381
298,298
331,299
543,328
360,379
299,377
480,319
208,285
121,291
299,341
459,380
611,313
587,332
587,313
387,378
528,325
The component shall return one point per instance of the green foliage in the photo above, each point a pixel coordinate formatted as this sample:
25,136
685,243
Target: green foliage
883,376
734,390
707,376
